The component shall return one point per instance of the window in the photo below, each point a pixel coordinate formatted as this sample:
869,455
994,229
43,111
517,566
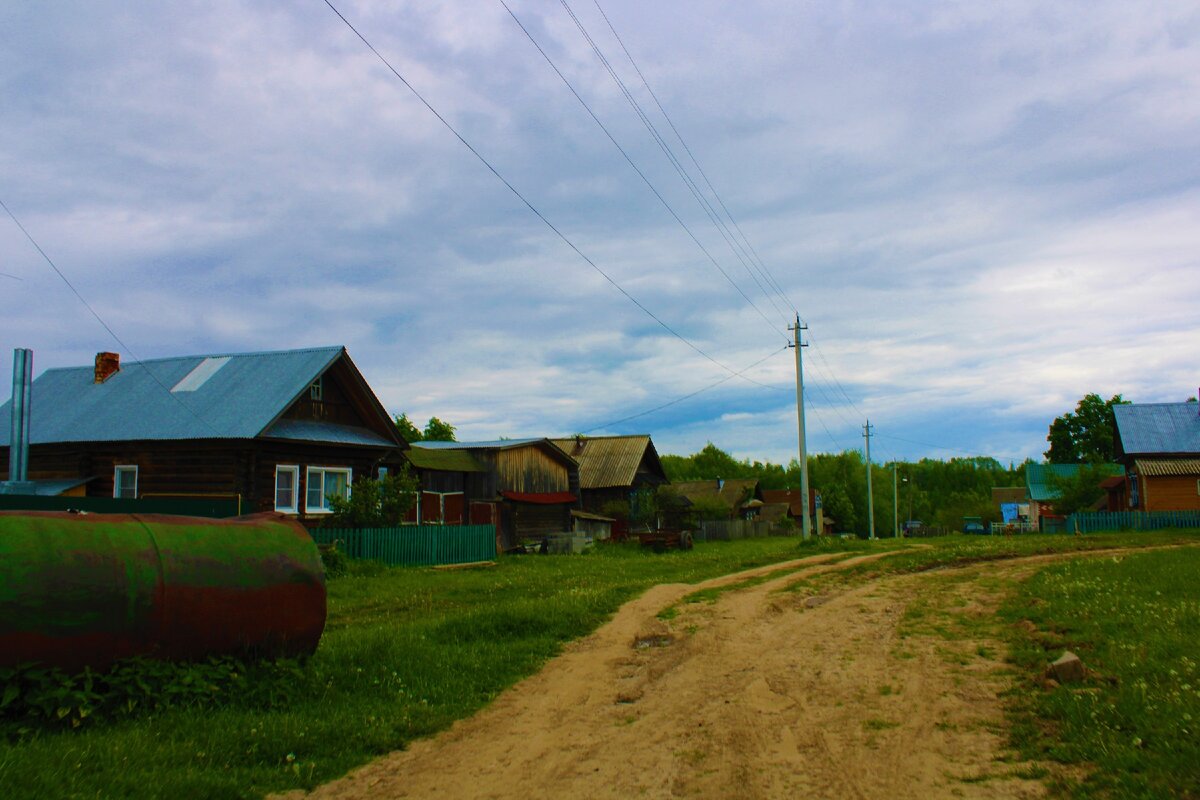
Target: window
125,481
323,482
317,390
287,483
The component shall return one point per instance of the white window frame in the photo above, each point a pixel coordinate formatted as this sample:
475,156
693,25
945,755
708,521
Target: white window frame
294,469
117,470
316,390
308,477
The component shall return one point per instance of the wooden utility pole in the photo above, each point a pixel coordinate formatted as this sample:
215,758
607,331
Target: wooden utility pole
806,517
870,496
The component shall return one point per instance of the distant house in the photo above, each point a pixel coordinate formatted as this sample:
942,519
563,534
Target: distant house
278,431
790,498
1012,502
1158,444
741,495
1039,492
612,468
534,483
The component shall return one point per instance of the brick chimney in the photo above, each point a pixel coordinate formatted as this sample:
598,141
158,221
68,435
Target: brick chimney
107,364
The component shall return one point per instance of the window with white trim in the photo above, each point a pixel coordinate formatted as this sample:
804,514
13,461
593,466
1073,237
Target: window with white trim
125,479
323,482
287,488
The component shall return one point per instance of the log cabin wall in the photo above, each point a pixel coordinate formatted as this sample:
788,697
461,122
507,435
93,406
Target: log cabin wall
1170,492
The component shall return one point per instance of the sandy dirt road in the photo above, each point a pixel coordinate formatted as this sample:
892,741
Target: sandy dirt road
760,695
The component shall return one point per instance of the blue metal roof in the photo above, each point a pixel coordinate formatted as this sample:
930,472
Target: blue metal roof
230,396
1145,428
313,431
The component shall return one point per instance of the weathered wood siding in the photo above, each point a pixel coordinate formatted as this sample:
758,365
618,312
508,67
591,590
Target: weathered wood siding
529,469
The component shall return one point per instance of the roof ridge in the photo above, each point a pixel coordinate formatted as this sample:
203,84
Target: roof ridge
143,361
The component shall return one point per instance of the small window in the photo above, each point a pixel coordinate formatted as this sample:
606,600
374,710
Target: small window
287,483
125,482
324,482
317,390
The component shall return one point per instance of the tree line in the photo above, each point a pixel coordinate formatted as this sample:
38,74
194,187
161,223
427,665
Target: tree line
937,492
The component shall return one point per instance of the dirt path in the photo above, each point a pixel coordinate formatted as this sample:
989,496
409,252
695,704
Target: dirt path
760,695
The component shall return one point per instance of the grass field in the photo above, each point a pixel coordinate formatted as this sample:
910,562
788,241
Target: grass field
405,653
408,651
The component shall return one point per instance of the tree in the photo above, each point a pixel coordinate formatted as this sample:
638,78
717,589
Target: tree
375,503
438,431
1078,492
408,431
1085,436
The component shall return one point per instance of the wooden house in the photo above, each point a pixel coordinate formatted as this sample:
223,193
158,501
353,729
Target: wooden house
1041,494
277,431
612,468
790,498
741,495
1158,444
533,482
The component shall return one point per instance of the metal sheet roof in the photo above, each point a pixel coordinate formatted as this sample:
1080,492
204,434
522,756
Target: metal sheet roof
1037,477
443,460
606,461
1172,466
499,444
313,431
1151,428
733,491
235,401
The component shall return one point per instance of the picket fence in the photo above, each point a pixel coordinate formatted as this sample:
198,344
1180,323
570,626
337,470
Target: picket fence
1099,521
414,545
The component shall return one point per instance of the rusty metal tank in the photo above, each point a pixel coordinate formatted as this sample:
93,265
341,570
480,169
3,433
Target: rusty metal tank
82,590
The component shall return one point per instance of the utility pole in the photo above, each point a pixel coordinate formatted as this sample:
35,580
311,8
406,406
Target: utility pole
895,503
870,496
806,517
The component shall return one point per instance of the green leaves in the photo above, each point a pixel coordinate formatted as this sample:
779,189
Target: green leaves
1085,436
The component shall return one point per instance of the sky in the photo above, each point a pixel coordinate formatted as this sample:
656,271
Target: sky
981,211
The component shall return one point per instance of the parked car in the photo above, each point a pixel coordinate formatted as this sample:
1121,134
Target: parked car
974,527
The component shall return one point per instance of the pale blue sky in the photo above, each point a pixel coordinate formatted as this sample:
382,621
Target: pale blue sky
983,211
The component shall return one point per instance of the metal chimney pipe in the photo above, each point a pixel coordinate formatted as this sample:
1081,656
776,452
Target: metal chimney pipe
18,449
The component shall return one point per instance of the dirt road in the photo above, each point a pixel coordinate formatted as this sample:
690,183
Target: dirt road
858,693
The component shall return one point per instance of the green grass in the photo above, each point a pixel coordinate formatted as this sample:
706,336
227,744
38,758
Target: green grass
405,653
1134,725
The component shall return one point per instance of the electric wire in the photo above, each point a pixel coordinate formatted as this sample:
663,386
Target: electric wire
666,149
689,395
761,264
633,164
526,202
105,325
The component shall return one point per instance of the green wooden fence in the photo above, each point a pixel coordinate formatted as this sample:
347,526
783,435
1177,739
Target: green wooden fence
1098,521
414,545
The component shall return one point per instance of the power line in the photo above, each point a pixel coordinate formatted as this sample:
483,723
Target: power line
104,324
666,149
522,198
952,449
762,265
632,164
689,395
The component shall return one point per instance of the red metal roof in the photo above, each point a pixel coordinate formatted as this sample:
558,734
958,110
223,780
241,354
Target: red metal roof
543,498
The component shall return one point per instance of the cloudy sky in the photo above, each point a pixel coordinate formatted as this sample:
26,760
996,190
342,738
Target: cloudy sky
981,210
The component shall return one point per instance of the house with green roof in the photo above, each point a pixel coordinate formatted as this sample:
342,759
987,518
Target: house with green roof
1040,492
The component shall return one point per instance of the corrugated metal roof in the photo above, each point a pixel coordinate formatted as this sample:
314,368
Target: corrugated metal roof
443,460
1149,428
1172,466
499,444
313,431
606,461
236,401
1037,477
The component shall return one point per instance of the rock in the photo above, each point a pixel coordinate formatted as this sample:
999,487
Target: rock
1067,669
813,602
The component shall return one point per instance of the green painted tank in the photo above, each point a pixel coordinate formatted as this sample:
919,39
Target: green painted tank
82,590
